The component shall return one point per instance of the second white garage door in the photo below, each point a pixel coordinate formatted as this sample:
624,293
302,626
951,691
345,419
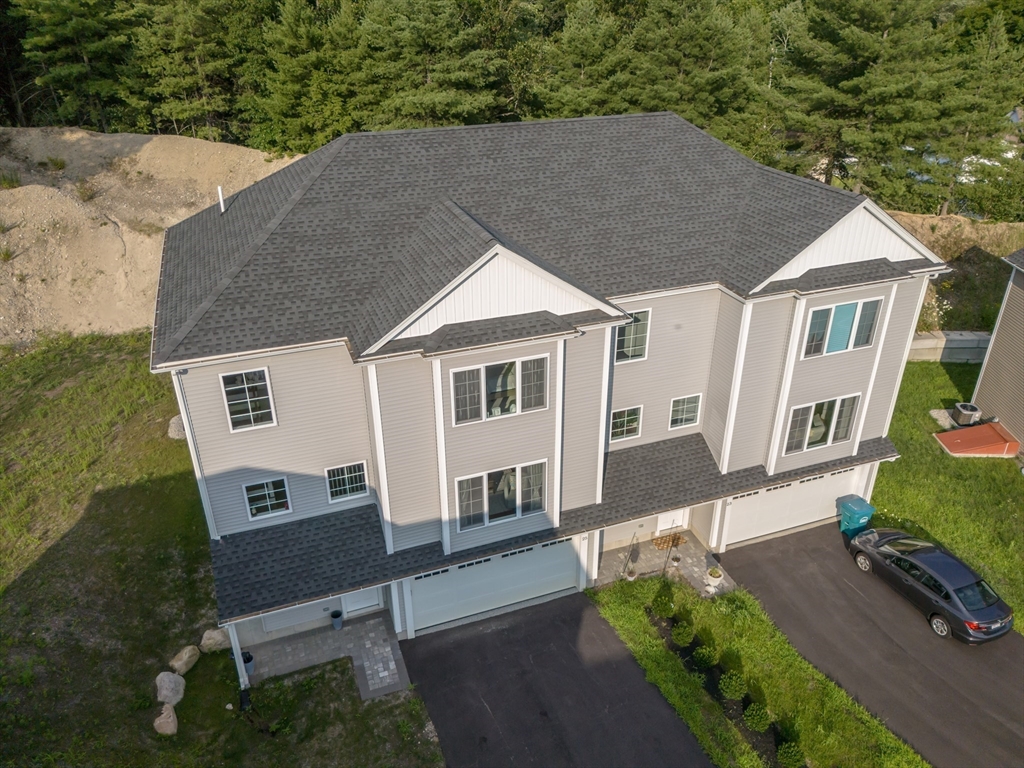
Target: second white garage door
789,505
493,582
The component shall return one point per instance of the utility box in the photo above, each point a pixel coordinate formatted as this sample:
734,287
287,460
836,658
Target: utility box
965,414
854,514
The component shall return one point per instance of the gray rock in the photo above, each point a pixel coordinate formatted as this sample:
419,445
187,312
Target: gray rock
186,657
167,723
176,428
215,640
170,688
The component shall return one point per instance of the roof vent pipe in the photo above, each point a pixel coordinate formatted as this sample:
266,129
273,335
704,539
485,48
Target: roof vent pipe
220,194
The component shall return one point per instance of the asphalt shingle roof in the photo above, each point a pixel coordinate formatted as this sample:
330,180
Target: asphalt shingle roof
284,564
348,241
1016,259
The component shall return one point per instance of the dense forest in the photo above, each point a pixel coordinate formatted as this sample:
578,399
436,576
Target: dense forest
905,100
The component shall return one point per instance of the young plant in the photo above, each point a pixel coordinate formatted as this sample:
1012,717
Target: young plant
715,572
663,605
9,180
757,717
6,254
790,755
732,685
682,634
57,163
705,657
86,191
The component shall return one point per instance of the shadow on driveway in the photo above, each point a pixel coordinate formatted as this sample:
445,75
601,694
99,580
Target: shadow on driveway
957,705
550,685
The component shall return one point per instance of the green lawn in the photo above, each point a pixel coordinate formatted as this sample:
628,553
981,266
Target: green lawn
831,728
973,507
105,574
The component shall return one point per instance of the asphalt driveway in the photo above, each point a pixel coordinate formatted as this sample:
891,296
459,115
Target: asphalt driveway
956,704
550,685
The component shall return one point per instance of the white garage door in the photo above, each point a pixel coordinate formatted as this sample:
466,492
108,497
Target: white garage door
493,582
789,505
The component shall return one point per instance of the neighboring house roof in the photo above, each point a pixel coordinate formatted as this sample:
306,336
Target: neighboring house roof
1016,259
274,567
350,240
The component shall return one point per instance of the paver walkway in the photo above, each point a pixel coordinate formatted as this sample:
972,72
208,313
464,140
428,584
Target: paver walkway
369,640
647,559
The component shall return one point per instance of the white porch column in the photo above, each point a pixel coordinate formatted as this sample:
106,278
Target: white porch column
410,624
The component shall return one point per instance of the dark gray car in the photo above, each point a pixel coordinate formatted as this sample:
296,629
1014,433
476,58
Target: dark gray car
954,598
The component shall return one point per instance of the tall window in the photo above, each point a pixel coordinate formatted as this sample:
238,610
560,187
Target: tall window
626,423
631,339
499,389
842,327
248,399
685,411
343,482
267,498
824,423
500,495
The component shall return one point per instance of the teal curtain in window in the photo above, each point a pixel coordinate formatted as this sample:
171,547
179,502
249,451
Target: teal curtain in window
842,327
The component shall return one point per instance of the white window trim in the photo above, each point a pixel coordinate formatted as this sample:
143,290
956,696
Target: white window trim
700,403
832,429
647,341
270,396
639,426
287,493
343,499
853,333
483,388
519,497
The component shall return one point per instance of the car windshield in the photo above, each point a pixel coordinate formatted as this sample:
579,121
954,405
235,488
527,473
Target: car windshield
977,596
908,546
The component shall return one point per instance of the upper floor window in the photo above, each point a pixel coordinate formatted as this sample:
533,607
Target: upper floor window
685,411
824,423
248,400
626,423
631,339
841,327
499,389
345,482
500,495
267,498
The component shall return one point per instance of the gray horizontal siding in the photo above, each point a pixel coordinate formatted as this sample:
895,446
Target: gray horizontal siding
321,414
406,392
763,365
498,443
720,373
680,341
1001,389
584,357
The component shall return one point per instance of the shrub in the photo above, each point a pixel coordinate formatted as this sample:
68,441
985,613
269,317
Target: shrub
757,717
732,685
9,180
706,656
790,755
6,254
86,191
662,605
57,163
682,634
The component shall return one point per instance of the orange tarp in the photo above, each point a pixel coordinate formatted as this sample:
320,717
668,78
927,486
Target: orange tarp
981,440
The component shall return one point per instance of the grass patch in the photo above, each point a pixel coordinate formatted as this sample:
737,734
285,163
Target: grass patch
972,506
147,228
85,190
57,163
829,727
6,254
9,180
106,575
968,299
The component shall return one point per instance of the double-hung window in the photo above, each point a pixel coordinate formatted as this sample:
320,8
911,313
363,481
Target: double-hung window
841,327
500,495
626,423
820,424
631,339
499,389
685,412
248,400
267,498
346,482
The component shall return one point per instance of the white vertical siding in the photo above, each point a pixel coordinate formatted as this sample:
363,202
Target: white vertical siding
720,373
1000,391
584,357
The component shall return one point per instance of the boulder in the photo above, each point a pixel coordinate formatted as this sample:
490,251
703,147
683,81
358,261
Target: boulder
214,640
176,428
167,723
170,688
186,657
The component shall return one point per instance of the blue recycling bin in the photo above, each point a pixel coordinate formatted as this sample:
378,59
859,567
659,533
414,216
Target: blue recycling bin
854,514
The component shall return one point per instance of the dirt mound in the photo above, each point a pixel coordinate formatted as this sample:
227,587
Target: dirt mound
950,236
80,237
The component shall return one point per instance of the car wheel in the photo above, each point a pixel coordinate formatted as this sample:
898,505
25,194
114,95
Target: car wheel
863,562
939,626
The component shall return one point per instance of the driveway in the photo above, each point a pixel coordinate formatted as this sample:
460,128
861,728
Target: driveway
550,685
956,704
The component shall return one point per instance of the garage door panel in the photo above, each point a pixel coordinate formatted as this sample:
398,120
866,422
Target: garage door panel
493,582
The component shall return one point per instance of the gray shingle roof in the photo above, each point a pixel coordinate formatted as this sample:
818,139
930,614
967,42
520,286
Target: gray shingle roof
348,241
274,567
1016,259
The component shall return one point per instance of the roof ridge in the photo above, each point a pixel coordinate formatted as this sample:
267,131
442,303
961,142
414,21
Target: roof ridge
261,238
